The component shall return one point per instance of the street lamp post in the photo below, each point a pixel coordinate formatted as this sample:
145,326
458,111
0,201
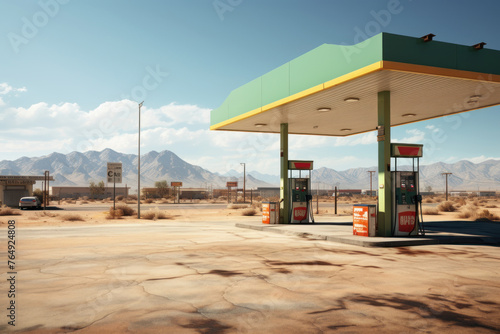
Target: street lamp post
446,174
139,166
244,181
371,188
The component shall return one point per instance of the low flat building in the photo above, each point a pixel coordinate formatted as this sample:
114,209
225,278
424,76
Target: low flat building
79,192
13,187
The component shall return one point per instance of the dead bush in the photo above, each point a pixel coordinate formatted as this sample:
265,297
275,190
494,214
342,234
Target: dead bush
126,210
486,215
47,214
7,211
114,214
468,212
155,214
446,207
119,198
460,201
428,200
237,206
84,202
149,201
72,217
249,212
430,211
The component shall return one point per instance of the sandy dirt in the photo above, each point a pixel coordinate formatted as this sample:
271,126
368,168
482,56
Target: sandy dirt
197,273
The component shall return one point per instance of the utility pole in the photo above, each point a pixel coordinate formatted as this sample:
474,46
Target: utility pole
139,166
446,175
244,181
371,188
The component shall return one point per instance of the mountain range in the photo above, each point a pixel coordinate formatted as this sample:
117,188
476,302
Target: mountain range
79,169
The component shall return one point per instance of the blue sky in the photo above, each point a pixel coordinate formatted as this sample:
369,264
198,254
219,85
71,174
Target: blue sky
72,72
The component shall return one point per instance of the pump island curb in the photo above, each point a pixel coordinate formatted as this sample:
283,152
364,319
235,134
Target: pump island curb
382,82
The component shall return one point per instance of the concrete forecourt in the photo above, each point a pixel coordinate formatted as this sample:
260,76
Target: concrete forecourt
191,274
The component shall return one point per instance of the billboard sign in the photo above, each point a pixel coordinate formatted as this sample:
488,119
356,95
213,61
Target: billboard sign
114,173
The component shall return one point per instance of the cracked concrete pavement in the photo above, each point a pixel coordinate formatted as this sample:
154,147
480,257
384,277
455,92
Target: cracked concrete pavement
212,277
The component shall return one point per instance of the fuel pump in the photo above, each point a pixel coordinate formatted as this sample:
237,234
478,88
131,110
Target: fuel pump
406,198
300,192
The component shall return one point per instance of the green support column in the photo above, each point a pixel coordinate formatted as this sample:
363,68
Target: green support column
284,191
384,216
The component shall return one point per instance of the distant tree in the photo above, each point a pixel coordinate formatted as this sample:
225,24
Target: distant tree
428,189
96,189
162,187
38,193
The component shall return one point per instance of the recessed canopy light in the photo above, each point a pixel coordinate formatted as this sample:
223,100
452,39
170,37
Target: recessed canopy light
409,115
345,130
475,97
324,109
259,125
352,99
315,127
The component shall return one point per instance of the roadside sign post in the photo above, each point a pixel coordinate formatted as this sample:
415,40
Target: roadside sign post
229,185
176,186
114,175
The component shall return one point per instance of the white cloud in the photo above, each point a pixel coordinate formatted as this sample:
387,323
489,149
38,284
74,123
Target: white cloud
361,139
5,89
298,142
2,103
432,128
480,159
415,136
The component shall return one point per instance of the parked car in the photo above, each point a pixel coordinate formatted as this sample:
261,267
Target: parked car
30,202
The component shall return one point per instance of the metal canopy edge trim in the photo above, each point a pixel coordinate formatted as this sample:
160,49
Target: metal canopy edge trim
297,96
375,67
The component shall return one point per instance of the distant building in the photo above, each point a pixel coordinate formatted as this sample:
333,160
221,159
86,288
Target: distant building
13,187
486,193
78,192
268,191
193,193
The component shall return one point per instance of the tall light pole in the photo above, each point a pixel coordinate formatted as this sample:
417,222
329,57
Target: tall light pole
371,174
139,166
446,174
244,181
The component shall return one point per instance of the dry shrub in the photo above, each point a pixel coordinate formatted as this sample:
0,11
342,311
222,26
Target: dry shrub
430,211
469,211
446,207
460,201
149,201
114,214
84,202
486,215
237,206
428,200
72,217
47,214
6,211
119,198
126,210
249,212
69,201
155,215
491,206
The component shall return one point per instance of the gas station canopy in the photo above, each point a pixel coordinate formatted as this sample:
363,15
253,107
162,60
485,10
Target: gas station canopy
332,90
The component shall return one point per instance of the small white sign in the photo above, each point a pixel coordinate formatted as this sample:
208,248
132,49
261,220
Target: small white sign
114,172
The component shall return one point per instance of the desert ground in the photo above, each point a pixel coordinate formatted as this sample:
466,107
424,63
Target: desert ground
187,269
